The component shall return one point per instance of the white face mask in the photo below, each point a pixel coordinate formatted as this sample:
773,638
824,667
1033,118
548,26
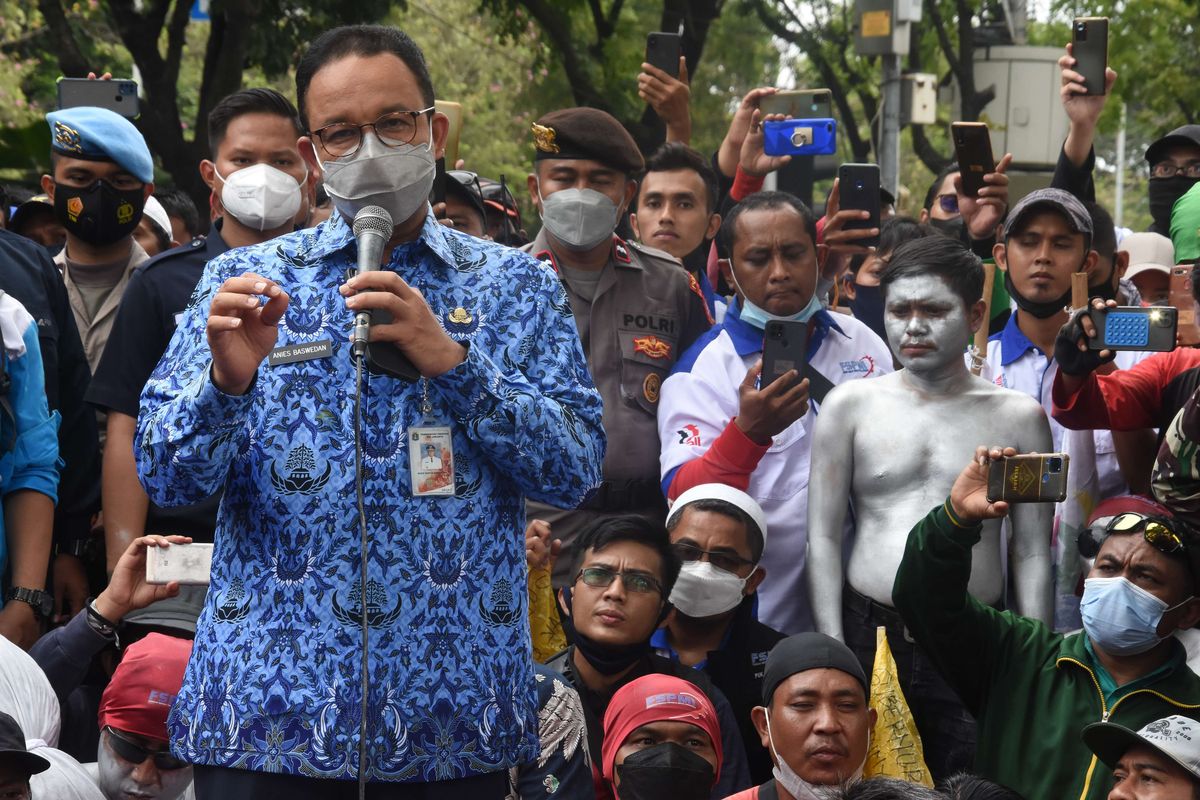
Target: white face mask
702,590
261,197
396,178
799,788
579,218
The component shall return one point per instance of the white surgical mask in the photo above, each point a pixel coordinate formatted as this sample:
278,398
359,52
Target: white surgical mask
579,218
799,788
396,178
261,197
702,590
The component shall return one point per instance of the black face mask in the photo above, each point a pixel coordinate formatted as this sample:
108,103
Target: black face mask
955,228
867,306
1039,310
1163,193
664,771
99,214
606,659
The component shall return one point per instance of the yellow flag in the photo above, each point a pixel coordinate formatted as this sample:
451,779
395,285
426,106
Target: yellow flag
896,750
544,623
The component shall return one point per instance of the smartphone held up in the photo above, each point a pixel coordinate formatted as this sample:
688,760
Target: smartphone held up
1028,478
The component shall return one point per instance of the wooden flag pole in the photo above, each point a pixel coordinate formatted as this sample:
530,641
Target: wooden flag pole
981,335
1079,290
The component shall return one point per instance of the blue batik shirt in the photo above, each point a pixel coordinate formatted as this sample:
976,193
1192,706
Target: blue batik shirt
274,680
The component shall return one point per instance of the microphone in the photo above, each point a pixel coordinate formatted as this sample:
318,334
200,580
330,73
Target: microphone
372,229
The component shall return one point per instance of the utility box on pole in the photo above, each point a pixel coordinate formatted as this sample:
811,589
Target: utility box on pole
918,99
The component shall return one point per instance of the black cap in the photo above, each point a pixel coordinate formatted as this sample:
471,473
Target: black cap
465,186
587,133
806,651
1188,135
12,747
1064,203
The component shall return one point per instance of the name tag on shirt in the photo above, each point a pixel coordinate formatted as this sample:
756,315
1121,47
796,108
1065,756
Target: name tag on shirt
431,461
291,353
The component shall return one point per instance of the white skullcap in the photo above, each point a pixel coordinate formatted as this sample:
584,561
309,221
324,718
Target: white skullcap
720,491
158,215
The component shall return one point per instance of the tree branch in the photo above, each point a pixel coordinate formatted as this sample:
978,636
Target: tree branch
925,150
554,23
70,58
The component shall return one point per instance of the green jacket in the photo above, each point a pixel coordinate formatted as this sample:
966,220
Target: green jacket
1031,690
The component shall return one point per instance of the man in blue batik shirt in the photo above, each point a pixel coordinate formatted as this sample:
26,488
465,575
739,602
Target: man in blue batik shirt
271,702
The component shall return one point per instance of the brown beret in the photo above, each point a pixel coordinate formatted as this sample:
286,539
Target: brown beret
587,133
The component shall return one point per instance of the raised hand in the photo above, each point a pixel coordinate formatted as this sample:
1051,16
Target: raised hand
769,411
242,330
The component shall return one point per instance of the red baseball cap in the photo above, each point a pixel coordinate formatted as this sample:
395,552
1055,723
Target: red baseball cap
144,686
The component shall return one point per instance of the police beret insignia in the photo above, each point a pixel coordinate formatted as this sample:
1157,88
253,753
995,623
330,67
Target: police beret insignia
67,138
543,138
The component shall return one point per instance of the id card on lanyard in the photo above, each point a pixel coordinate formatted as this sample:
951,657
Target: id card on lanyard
430,453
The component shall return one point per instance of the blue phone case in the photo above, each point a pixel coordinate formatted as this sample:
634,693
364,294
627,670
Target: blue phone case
800,137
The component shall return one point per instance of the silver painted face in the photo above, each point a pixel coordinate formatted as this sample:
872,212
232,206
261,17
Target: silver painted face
926,323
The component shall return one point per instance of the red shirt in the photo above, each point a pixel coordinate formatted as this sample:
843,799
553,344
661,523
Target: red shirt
1147,395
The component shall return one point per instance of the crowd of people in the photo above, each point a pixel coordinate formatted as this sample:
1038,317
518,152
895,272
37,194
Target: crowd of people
562,442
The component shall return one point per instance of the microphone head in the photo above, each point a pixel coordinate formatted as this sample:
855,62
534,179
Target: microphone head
373,219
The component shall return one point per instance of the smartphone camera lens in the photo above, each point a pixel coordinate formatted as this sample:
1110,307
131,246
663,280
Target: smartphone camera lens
858,185
1055,466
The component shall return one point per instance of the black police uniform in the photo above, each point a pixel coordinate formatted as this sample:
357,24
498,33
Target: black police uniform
28,274
157,295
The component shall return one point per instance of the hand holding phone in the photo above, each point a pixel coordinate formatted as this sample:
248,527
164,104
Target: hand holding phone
973,151
767,405
120,96
1029,478
1089,46
189,564
1134,328
663,51
858,188
800,137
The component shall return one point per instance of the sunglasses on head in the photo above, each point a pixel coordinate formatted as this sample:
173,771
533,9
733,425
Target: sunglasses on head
1158,534
135,753
948,202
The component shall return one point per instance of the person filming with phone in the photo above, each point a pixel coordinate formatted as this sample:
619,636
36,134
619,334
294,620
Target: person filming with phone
1031,689
360,612
720,424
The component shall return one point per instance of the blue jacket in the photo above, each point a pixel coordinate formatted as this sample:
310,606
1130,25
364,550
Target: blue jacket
273,683
28,431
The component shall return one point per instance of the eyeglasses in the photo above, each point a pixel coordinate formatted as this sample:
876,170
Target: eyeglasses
135,753
948,202
343,139
726,561
601,577
1169,169
1157,534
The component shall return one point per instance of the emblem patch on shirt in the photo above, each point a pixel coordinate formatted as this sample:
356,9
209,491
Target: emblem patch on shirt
689,435
621,252
300,467
651,387
652,346
461,322
864,366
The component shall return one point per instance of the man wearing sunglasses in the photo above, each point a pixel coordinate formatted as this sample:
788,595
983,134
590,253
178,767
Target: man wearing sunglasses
622,572
134,760
1031,689
719,533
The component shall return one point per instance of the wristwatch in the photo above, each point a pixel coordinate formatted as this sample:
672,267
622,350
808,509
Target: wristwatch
42,602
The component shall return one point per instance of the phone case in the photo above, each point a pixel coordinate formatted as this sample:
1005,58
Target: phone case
858,185
1090,48
120,96
785,347
1030,478
799,103
973,150
1187,332
663,51
190,564
800,137
1135,328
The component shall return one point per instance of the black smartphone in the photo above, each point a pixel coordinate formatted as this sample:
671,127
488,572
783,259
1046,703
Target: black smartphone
1029,478
858,186
663,51
799,103
973,150
1135,328
119,95
1090,48
438,193
785,347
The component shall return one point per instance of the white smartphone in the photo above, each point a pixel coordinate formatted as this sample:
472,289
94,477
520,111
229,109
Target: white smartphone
190,564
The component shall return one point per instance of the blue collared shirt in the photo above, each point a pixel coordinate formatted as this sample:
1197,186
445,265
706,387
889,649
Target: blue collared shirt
273,682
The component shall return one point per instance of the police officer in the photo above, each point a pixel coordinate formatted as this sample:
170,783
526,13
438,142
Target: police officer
636,309
260,188
102,174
